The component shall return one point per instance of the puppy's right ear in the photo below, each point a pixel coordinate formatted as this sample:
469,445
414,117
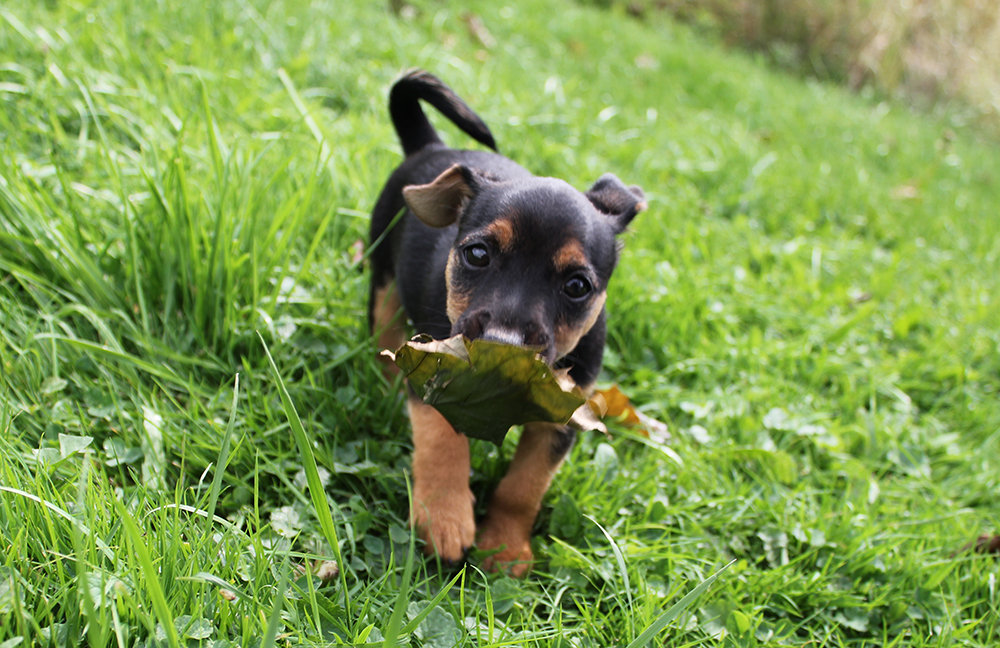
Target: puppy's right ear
440,202
616,201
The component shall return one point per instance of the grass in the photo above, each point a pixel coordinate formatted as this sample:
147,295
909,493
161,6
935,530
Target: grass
930,51
810,304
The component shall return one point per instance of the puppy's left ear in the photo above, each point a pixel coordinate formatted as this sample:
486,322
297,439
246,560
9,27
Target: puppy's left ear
616,201
440,202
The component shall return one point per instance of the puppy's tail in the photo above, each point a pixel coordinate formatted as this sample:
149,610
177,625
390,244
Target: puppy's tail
414,131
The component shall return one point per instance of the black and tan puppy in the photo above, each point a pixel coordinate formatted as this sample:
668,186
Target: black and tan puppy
490,251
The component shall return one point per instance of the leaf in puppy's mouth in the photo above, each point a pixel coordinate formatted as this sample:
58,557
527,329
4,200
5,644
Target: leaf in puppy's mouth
484,388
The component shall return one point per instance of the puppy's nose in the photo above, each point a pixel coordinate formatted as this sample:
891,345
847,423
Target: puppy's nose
482,325
473,325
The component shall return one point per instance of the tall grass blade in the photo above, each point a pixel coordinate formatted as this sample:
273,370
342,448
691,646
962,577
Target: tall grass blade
316,491
306,115
393,629
415,621
622,569
223,460
149,573
274,620
675,610
206,577
94,627
105,549
148,367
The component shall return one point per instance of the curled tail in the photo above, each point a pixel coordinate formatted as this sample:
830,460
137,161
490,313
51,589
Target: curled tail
414,131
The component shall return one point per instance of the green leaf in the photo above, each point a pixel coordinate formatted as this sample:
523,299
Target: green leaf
117,453
505,593
11,596
484,388
53,384
437,629
741,621
192,628
853,618
606,463
70,445
566,521
398,534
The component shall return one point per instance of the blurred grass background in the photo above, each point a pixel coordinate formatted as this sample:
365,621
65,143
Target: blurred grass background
931,52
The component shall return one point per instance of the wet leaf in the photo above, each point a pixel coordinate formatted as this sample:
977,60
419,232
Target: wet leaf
484,388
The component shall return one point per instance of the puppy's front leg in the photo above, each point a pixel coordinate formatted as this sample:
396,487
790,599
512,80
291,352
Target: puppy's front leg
442,500
518,497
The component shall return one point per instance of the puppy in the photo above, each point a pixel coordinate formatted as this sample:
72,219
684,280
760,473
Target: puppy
485,249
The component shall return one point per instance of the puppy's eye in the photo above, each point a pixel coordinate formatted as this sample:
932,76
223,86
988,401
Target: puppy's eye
476,255
577,288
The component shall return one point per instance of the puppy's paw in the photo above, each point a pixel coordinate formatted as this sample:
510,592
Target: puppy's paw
515,556
445,522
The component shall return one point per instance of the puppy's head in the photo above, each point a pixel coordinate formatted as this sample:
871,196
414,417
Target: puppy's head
532,257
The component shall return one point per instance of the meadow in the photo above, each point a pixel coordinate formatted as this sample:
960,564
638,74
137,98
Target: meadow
936,53
193,423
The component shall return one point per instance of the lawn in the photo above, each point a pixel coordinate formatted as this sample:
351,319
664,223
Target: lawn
810,303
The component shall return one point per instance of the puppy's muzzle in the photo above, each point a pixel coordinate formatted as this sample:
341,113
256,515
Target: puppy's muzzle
506,329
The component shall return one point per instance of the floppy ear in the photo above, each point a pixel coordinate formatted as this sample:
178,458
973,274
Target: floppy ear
439,203
616,201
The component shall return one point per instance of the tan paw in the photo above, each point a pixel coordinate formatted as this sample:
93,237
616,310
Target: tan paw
515,556
445,523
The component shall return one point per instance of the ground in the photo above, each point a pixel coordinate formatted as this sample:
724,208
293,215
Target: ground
809,304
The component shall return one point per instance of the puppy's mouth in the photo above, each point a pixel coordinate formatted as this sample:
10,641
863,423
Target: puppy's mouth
503,336
514,337
530,338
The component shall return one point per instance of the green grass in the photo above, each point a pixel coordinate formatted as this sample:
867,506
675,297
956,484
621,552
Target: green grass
810,303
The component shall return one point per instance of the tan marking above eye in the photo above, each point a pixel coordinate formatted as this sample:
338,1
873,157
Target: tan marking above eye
570,255
502,232
568,335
